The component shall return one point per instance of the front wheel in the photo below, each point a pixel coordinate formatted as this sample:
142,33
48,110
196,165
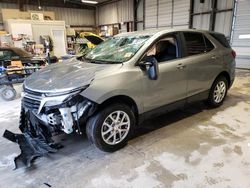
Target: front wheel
218,92
111,128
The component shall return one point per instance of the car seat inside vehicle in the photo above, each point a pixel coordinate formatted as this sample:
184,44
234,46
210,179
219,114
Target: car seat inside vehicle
166,50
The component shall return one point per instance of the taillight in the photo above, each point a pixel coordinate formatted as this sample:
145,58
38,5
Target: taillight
234,54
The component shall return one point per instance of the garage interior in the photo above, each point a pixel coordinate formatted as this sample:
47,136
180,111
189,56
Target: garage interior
192,147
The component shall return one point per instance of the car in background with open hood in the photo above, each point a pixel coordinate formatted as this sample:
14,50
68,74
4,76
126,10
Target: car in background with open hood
92,38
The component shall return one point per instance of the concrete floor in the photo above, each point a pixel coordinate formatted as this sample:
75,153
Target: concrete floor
197,147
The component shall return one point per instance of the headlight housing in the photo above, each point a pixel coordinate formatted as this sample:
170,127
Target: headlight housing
59,98
62,99
73,91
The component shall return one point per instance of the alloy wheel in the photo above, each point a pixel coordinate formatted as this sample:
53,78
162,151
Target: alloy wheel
115,127
220,91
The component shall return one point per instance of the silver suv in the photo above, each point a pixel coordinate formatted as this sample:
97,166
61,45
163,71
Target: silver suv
126,80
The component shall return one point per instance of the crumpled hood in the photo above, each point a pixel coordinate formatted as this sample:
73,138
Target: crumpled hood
65,76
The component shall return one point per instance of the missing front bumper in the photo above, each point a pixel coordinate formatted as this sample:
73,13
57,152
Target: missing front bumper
31,148
36,138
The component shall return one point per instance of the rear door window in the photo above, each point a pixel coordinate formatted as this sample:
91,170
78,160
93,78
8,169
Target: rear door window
195,43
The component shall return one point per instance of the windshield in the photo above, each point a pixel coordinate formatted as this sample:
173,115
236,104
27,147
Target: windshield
117,49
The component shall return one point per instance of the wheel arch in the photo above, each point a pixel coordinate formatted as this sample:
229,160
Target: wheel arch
122,99
226,75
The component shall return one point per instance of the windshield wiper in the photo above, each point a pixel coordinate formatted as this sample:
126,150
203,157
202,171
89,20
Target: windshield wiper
98,61
84,59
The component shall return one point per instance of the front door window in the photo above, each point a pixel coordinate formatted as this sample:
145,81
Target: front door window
164,50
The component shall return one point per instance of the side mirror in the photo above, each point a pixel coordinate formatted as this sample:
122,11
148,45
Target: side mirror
145,65
151,66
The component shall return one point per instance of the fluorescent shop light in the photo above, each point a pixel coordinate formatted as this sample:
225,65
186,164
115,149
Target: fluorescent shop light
90,2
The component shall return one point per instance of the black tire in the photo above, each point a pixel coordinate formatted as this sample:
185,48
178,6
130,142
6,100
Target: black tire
8,93
211,101
95,125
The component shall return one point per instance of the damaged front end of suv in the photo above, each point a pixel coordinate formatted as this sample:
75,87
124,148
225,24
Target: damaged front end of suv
61,111
44,115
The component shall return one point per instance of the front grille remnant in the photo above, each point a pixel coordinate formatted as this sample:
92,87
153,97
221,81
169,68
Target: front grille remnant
35,93
32,104
36,137
32,99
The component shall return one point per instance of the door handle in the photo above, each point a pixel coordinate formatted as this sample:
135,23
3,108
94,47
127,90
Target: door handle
180,66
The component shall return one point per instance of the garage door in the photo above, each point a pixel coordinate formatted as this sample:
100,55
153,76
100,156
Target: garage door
166,14
151,9
241,33
181,13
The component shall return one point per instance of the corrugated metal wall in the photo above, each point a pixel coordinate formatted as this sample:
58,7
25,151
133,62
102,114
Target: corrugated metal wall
6,5
151,10
241,33
166,13
117,12
107,14
201,21
140,16
181,13
74,16
83,17
223,21
125,10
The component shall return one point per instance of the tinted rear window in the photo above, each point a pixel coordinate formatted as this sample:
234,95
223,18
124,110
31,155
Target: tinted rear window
195,43
221,39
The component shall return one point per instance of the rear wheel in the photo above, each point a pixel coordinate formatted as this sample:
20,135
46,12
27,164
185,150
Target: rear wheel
111,128
218,92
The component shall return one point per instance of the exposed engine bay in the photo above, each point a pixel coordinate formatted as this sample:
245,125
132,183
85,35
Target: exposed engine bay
44,116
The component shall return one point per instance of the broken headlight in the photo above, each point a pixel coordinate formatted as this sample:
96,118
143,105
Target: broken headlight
58,98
